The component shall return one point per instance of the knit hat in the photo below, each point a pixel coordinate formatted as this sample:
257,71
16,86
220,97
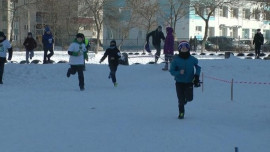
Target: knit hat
113,43
47,29
2,34
80,35
29,33
258,30
183,43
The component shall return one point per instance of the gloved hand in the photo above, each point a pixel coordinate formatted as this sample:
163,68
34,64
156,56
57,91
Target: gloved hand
196,81
85,56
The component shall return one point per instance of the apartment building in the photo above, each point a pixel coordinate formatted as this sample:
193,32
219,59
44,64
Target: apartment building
237,22
233,21
62,16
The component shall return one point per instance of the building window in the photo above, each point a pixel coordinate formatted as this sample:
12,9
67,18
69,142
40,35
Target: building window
140,34
225,11
220,11
245,33
266,15
246,13
267,34
15,37
234,12
4,18
198,28
256,14
211,31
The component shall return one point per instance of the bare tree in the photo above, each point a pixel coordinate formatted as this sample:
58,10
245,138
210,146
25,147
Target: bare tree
14,11
147,12
177,10
205,9
62,17
96,9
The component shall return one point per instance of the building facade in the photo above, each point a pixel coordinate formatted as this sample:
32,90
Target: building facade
62,16
240,22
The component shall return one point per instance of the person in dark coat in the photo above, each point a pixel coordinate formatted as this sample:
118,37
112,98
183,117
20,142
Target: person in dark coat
48,42
195,43
30,44
157,36
168,47
258,41
113,58
5,47
182,68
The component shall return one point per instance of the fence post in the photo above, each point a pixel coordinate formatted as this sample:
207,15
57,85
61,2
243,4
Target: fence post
232,90
236,149
202,81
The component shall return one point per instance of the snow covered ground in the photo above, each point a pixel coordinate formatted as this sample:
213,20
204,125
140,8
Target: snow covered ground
41,110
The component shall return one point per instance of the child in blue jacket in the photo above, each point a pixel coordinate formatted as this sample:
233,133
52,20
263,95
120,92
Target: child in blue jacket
182,68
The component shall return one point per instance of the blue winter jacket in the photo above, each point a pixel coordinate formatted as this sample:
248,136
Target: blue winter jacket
47,40
187,65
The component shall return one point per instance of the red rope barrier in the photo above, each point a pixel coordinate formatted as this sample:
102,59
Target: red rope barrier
239,82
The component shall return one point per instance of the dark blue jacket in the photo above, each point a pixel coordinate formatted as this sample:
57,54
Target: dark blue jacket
47,40
113,56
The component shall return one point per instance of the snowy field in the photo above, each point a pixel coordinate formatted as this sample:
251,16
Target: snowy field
41,110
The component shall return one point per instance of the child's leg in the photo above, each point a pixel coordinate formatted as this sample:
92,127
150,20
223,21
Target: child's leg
72,70
188,92
181,97
80,77
113,70
31,54
51,54
27,56
2,67
45,55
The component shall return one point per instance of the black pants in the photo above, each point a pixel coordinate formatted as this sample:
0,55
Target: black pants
46,55
74,69
184,93
257,50
2,67
158,48
113,69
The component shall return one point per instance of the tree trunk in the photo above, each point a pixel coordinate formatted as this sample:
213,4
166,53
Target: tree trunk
205,35
98,38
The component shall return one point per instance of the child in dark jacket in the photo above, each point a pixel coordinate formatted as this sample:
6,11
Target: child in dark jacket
78,54
168,47
113,58
29,44
182,68
48,42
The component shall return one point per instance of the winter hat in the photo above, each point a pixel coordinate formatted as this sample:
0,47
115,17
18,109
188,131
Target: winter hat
80,35
2,34
47,29
169,29
160,27
183,43
113,43
29,33
258,30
